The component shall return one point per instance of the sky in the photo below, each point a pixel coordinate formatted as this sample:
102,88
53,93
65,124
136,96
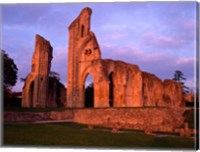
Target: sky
160,37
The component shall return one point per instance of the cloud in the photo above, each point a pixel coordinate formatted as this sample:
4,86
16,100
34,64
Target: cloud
23,14
159,37
162,65
155,40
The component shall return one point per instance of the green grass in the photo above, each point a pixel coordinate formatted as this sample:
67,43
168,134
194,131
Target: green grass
77,135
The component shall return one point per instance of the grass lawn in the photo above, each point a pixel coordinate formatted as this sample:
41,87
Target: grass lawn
76,135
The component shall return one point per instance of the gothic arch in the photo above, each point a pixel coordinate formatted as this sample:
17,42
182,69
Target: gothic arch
27,99
86,72
101,85
31,93
111,90
88,94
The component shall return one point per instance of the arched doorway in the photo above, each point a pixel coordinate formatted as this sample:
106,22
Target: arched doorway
31,93
111,88
89,92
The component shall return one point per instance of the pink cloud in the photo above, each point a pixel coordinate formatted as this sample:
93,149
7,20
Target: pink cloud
159,41
161,64
189,24
184,60
116,36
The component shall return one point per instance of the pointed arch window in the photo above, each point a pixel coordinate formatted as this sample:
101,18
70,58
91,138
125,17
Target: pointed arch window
89,92
82,30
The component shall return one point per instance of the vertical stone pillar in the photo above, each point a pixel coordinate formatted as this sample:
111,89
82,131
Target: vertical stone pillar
81,41
101,94
35,91
119,95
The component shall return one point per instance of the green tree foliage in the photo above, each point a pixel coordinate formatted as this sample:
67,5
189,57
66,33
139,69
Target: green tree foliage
9,70
179,77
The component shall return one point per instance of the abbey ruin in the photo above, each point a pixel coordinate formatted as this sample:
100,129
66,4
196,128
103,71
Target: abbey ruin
116,83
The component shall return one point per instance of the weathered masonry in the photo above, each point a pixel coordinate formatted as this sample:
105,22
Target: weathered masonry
36,85
39,89
116,83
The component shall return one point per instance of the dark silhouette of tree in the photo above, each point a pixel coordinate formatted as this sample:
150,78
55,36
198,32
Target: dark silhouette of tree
22,79
9,70
9,78
89,96
52,75
55,75
179,77
55,85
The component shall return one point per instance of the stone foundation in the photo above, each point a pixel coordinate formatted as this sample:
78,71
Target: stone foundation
37,116
153,119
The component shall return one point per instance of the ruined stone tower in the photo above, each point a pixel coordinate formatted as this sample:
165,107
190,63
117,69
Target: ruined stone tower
35,90
83,48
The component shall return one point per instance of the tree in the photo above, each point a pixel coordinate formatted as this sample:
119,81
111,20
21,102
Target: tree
9,77
55,75
9,70
52,75
179,77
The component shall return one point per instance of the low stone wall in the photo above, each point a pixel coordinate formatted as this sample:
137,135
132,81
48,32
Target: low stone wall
37,116
153,119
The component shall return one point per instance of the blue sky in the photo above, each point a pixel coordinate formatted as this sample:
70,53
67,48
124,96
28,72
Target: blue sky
160,37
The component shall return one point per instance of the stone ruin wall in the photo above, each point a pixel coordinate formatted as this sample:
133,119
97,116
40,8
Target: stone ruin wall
151,119
35,89
139,118
172,93
161,93
38,90
131,86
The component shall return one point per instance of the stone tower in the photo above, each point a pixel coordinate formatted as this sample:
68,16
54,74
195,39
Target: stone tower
83,48
35,90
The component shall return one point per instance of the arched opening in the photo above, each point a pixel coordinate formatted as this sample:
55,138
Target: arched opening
111,87
31,93
89,92
82,30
